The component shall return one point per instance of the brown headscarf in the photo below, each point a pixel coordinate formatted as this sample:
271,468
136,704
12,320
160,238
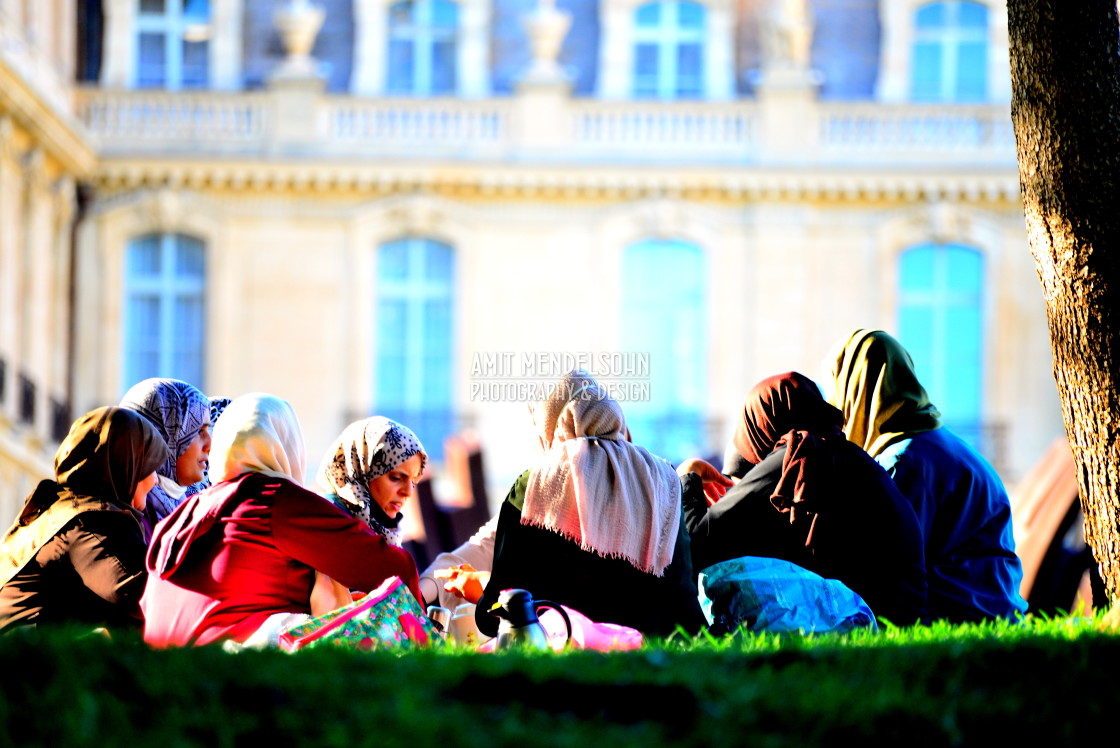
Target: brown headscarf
878,390
788,410
97,468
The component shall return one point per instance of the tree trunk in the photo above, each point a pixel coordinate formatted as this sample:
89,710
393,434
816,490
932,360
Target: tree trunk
1065,107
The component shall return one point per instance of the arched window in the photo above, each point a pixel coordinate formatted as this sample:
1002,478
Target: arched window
172,44
664,316
669,49
950,59
422,47
940,321
415,338
165,310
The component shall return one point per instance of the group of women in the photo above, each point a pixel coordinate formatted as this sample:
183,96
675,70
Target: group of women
189,516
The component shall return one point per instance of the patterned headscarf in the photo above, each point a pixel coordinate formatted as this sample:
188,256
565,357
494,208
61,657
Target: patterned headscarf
217,405
878,390
594,487
366,450
178,411
258,433
97,467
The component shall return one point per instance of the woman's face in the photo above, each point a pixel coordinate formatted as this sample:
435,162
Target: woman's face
140,495
392,490
191,465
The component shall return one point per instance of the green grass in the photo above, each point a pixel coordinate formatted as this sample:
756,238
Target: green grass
1043,682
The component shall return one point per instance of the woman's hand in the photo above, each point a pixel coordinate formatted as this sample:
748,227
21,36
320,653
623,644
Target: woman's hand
464,581
715,482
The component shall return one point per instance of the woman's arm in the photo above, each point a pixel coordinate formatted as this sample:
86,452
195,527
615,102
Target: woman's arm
108,554
313,531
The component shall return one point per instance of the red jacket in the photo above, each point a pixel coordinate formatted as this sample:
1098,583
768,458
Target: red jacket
228,558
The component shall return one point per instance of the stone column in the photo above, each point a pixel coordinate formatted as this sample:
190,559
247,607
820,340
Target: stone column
616,49
227,18
370,47
118,57
473,53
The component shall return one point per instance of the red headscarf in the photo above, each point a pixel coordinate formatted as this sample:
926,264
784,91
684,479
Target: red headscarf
787,410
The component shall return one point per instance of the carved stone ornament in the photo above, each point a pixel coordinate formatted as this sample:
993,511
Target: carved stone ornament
298,23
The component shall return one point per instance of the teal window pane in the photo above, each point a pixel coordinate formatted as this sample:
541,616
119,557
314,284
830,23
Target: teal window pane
648,14
965,270
931,16
926,72
917,269
152,69
973,15
153,7
671,422
196,11
445,15
144,256
196,64
443,67
413,358
972,72
690,15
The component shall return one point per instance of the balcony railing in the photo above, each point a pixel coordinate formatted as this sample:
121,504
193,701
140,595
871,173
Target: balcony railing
174,120
579,130
856,132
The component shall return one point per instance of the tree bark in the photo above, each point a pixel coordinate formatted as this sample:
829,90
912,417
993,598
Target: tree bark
1065,107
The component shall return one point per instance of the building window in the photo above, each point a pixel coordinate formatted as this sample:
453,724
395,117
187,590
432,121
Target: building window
669,49
422,47
670,422
172,44
950,52
165,281
415,338
940,322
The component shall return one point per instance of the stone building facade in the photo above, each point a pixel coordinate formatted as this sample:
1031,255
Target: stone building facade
426,208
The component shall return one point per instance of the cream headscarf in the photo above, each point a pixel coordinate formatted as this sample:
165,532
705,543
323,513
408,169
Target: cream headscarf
366,450
593,486
258,433
877,389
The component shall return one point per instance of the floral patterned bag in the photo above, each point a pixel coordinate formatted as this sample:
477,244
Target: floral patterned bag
389,617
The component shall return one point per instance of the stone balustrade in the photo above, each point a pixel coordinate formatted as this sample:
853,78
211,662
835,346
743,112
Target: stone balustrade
124,123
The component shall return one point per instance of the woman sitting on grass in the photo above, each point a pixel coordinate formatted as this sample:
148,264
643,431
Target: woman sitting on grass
181,413
240,558
76,551
812,498
596,524
370,472
960,501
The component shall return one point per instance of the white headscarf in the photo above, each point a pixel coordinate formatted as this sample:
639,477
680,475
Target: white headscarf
366,450
258,433
596,488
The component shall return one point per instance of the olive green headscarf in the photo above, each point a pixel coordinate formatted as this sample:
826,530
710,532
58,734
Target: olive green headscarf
877,389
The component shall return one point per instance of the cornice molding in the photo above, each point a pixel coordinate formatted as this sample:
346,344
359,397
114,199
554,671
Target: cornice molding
57,132
552,182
